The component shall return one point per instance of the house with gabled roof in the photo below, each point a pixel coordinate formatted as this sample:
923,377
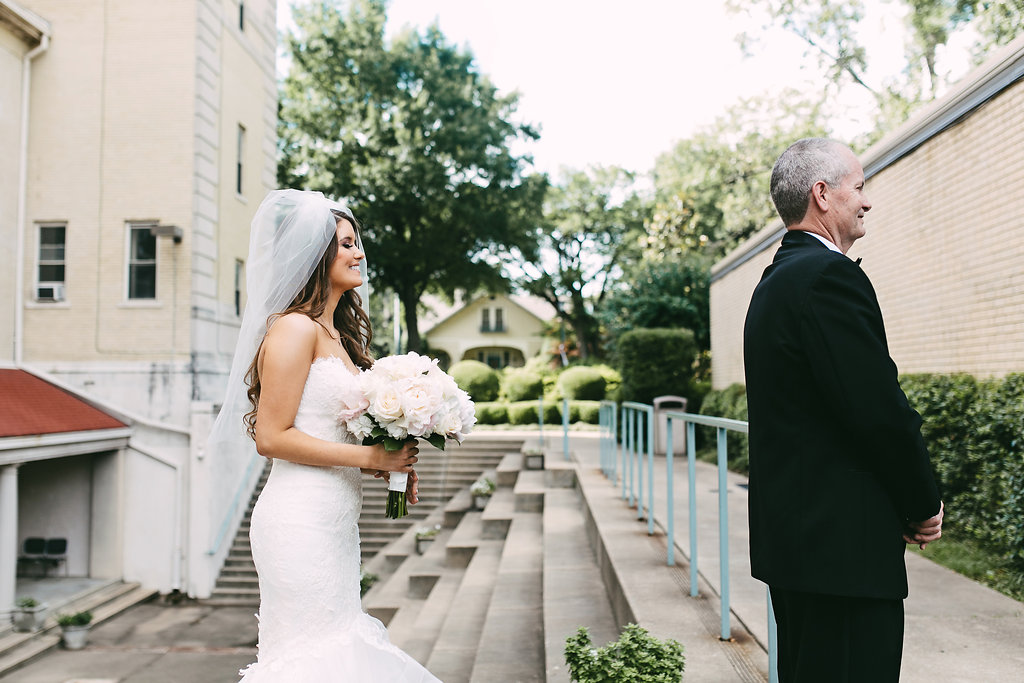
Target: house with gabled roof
501,330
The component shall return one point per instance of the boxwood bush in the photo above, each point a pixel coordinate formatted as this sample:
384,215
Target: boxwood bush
731,403
477,379
582,383
492,413
655,362
520,384
525,412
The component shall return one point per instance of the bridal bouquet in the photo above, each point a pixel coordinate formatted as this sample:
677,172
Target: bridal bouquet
405,397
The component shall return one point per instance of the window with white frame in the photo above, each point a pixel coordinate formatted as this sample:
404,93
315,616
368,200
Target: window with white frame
485,320
50,273
141,261
499,320
240,155
241,15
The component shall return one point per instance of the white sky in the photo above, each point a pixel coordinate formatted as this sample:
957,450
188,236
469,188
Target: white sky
618,82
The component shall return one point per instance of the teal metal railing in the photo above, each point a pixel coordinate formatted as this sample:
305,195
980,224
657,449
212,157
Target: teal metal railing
636,416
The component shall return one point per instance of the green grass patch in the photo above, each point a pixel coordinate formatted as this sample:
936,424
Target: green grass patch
967,558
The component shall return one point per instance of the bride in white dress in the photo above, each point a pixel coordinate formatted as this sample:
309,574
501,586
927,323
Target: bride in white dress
313,338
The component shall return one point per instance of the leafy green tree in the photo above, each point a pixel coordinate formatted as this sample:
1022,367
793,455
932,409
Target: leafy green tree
665,293
711,190
418,141
592,223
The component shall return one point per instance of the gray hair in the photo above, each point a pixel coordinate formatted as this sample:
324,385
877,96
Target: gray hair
803,164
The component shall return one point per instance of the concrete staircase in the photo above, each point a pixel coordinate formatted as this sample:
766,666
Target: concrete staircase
497,592
104,601
442,475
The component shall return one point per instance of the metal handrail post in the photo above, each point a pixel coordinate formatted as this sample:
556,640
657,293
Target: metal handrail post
624,447
691,470
613,453
723,529
627,443
638,454
565,429
773,642
540,420
650,471
670,495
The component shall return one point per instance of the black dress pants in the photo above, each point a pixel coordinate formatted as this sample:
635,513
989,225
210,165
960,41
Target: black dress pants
837,639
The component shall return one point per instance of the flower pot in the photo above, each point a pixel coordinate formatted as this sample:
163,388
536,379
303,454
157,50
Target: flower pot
74,637
533,461
480,502
28,619
422,544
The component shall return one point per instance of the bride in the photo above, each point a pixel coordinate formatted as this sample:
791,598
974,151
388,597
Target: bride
304,336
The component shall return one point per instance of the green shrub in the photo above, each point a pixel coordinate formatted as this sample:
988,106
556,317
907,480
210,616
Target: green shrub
582,383
492,413
585,411
477,379
525,412
655,362
730,403
519,384
636,657
76,619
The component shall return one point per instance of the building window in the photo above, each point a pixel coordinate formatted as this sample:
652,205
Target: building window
50,276
141,262
241,15
239,275
499,320
240,154
485,320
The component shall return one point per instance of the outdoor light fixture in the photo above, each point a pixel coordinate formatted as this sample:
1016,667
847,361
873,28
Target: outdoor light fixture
168,231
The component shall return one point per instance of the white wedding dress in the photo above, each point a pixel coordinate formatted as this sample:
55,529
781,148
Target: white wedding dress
305,542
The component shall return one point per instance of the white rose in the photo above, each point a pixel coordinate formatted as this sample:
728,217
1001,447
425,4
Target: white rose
386,404
420,400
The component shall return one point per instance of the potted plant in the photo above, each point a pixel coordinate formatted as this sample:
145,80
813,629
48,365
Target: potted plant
29,615
481,490
533,458
74,629
425,535
635,656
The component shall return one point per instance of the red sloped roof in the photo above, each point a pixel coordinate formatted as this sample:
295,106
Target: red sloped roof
29,405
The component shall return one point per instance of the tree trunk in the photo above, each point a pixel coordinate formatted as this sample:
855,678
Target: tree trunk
410,301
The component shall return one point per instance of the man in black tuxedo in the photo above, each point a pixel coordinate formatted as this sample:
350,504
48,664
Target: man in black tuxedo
839,475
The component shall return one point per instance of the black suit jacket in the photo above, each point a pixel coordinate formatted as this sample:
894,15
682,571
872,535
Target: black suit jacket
837,463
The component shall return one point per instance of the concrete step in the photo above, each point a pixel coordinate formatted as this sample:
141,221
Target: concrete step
529,491
498,514
105,601
574,593
508,470
515,612
454,651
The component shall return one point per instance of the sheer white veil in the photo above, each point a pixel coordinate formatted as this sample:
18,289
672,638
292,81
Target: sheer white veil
290,234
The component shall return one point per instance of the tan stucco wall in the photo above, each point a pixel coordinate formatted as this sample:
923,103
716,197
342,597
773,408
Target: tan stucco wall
12,50
944,249
461,333
110,142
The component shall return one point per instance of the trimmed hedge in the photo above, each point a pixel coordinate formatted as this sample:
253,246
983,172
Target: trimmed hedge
582,383
492,413
477,379
525,412
522,385
974,430
655,362
731,403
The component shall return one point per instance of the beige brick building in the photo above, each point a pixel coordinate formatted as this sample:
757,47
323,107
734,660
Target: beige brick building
138,138
944,246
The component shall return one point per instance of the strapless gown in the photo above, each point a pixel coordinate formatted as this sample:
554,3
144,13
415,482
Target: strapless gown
305,543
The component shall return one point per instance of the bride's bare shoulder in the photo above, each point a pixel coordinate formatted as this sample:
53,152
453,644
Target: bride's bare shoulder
290,329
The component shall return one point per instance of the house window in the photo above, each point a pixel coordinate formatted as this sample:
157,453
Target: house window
50,274
241,15
485,320
499,320
141,262
239,275
240,154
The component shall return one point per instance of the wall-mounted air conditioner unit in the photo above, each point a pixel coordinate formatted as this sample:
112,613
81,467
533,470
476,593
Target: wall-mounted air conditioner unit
50,292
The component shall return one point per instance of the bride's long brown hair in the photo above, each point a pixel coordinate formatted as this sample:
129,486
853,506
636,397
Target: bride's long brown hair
350,320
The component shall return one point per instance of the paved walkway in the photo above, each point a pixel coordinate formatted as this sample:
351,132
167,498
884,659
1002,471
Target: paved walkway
957,630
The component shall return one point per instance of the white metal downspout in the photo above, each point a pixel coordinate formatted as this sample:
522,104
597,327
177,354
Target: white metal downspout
19,264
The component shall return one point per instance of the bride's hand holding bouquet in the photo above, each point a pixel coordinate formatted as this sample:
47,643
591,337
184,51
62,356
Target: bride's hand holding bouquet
404,398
